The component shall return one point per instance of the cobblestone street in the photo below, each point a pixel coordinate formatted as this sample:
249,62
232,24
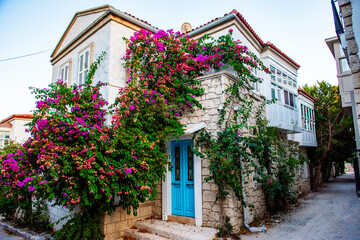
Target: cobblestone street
331,213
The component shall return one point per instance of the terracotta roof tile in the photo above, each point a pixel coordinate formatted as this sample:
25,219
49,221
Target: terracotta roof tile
24,116
307,94
247,25
282,53
139,19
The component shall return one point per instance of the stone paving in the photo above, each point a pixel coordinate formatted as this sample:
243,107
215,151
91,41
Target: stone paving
5,235
156,229
331,213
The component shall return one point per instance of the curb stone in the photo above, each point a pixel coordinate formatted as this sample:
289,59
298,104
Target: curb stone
21,233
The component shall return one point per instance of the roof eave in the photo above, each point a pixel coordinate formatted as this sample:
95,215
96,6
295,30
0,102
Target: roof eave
108,10
215,23
133,20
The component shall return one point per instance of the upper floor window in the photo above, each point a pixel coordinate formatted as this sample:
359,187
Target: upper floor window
4,137
65,72
289,99
273,96
84,64
307,118
344,66
286,97
279,95
255,85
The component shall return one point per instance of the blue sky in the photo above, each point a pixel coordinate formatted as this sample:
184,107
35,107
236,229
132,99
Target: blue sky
298,28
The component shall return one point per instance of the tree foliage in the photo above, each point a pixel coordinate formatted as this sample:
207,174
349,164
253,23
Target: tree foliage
334,131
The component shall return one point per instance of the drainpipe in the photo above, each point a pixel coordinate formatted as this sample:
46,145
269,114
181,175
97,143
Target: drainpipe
245,208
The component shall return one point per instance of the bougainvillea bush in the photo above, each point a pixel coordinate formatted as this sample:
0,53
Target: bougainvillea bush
84,153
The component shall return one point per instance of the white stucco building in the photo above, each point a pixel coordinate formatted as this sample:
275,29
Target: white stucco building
13,128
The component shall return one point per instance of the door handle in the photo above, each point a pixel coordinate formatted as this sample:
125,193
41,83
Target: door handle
175,183
189,184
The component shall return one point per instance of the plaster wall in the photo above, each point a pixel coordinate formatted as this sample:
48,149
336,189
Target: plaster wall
98,42
18,133
80,24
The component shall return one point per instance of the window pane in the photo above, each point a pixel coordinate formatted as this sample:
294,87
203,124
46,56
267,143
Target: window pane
66,73
62,74
272,69
190,164
85,75
344,65
81,62
302,110
177,163
291,96
273,93
80,78
279,95
86,64
286,97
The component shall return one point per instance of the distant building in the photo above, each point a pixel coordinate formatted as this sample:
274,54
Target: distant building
307,138
343,70
13,128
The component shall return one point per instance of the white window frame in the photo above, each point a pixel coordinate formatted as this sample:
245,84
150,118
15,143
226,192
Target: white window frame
84,65
4,137
65,72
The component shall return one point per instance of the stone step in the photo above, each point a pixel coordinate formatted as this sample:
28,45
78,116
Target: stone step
176,231
141,235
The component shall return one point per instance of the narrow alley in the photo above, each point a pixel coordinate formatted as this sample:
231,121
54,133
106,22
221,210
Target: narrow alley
331,213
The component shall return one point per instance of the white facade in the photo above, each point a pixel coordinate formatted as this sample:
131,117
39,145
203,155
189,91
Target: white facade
307,138
281,85
89,34
343,71
13,128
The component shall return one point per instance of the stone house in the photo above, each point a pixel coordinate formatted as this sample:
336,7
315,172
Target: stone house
184,196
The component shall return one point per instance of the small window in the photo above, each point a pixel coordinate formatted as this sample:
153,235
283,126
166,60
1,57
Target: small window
272,69
64,73
84,64
286,97
273,78
279,95
4,137
344,65
255,86
291,97
273,93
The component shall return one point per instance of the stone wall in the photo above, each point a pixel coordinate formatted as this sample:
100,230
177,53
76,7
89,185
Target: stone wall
212,100
113,225
302,176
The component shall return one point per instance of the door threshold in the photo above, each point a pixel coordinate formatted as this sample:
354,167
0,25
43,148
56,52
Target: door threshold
181,219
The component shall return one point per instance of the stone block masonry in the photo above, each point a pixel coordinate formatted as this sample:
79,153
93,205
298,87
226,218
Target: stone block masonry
114,225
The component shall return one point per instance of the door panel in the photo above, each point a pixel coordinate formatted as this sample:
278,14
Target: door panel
182,179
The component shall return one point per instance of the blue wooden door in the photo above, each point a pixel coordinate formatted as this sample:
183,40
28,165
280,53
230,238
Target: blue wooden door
182,179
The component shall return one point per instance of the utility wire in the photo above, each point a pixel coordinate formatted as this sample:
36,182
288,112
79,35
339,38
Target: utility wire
8,59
